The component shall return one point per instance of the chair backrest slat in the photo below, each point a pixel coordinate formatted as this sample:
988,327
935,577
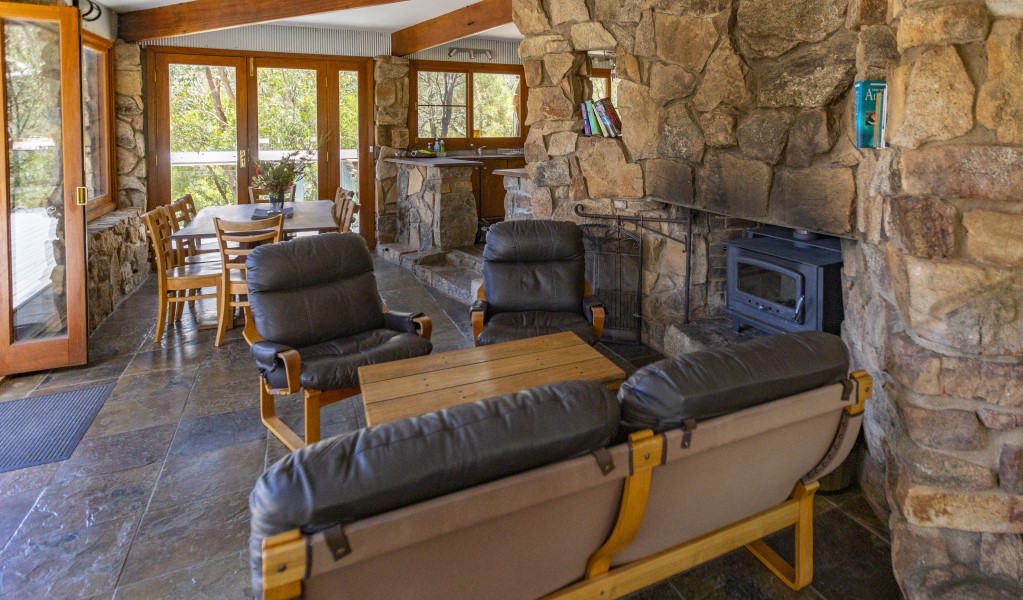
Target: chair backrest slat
247,235
159,225
344,210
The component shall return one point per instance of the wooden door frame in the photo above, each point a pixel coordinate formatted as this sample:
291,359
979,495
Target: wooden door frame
328,106
71,349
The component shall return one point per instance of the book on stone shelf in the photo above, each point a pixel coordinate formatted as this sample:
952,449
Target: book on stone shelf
867,118
612,113
605,121
586,119
595,127
881,134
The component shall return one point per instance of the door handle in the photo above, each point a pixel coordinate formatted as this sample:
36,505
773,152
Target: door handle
241,159
82,196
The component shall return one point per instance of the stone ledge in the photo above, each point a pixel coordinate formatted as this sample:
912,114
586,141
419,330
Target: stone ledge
110,220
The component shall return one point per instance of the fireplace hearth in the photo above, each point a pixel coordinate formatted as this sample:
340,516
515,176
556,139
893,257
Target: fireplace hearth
780,280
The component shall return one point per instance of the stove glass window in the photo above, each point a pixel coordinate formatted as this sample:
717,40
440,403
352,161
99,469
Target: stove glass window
773,286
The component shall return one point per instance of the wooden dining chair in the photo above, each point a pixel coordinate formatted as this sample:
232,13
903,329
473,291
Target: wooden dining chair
178,282
182,213
344,210
257,195
236,240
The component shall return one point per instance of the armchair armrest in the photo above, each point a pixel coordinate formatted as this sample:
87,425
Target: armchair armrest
594,311
478,312
270,356
405,322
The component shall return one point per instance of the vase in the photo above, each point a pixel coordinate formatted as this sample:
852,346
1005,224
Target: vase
277,202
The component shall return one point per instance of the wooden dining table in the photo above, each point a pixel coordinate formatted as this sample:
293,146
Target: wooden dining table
314,215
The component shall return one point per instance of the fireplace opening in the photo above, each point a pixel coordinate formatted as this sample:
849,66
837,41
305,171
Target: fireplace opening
780,281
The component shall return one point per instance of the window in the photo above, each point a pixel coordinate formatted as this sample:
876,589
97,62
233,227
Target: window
465,103
97,123
601,82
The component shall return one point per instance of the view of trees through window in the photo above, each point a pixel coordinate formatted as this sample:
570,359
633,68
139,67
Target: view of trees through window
600,85
95,126
204,133
495,107
443,105
204,126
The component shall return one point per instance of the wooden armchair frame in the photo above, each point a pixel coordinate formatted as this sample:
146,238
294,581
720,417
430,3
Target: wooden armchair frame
236,240
286,561
315,400
478,316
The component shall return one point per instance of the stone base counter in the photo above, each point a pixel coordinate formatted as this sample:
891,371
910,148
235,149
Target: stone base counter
519,201
436,205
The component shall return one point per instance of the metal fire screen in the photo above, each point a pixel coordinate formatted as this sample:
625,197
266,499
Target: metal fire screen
614,267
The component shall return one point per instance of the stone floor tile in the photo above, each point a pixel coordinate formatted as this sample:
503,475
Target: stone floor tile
118,452
20,386
854,504
180,359
88,502
199,435
110,368
140,387
850,562
658,591
192,478
204,401
737,575
26,480
137,412
224,578
13,510
189,534
79,564
275,450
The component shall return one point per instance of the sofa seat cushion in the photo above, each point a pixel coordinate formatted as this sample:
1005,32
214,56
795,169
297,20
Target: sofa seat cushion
711,383
334,365
509,326
378,469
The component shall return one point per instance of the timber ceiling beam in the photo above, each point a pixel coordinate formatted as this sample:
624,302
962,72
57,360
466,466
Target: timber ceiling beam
473,19
198,16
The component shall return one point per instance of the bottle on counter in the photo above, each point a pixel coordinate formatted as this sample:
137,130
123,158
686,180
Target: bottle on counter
443,150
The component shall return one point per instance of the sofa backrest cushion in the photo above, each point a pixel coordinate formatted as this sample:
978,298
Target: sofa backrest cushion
534,265
313,289
382,468
707,384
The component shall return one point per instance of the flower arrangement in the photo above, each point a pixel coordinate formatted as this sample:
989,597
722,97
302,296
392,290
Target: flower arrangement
277,176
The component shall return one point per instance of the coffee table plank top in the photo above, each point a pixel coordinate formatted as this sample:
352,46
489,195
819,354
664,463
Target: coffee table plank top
416,386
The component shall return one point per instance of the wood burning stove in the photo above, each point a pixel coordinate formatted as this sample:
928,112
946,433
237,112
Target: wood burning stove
780,280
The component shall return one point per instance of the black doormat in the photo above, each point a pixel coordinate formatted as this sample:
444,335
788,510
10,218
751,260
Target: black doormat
45,429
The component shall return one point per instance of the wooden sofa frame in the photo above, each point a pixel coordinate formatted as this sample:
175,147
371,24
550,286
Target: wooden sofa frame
315,400
286,555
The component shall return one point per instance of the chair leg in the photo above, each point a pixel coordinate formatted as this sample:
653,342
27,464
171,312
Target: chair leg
223,308
272,422
312,416
161,315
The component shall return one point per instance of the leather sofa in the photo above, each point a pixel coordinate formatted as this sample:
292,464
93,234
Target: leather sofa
564,490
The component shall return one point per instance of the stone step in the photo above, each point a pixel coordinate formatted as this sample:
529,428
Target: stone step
457,282
469,258
704,334
392,253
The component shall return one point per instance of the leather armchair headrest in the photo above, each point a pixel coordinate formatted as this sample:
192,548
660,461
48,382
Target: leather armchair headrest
539,240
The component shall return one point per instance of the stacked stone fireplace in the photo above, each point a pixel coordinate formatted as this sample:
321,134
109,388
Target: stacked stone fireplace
742,109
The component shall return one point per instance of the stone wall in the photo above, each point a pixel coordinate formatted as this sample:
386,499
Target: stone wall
741,108
934,296
130,141
118,261
519,200
391,94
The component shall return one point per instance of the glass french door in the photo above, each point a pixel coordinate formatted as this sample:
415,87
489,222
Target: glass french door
218,113
202,136
42,224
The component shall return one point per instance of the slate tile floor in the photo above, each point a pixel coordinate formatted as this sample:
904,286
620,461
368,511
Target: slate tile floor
153,502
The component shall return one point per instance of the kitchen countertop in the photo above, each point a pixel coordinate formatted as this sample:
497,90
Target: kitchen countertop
512,172
434,162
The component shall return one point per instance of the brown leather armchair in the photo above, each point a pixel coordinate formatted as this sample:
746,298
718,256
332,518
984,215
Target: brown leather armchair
316,318
534,283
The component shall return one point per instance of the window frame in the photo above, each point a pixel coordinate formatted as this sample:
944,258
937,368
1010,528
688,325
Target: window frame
469,69
101,205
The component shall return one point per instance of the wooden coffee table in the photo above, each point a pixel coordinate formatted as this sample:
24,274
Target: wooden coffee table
415,386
